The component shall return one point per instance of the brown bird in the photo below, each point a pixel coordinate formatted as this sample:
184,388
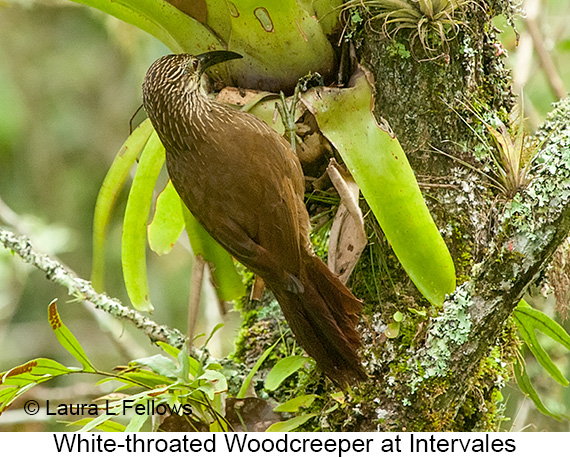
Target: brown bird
243,182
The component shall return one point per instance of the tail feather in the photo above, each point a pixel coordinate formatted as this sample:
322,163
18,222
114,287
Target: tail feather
323,318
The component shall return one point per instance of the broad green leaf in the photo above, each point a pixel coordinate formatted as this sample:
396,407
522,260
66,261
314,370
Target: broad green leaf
24,379
326,11
160,364
112,184
135,223
215,383
527,388
542,322
178,31
96,422
149,379
170,350
393,330
173,352
283,369
183,370
228,282
528,321
136,422
167,223
289,425
9,394
107,426
381,170
264,32
37,367
218,18
67,339
251,374
262,106
261,31
293,405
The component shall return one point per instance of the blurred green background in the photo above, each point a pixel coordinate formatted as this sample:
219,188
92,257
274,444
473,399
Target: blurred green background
70,81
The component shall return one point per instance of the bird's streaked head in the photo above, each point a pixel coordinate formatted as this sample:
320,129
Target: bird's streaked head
172,94
182,71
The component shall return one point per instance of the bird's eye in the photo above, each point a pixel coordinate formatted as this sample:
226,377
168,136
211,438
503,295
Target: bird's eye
191,66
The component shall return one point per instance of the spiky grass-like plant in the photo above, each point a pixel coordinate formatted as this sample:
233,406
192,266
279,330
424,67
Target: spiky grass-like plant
431,22
508,149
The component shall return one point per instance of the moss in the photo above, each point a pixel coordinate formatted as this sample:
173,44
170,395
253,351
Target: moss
484,406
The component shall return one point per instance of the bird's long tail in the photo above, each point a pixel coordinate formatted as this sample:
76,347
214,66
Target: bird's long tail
323,318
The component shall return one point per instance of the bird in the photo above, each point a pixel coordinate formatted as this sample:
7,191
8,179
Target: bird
244,184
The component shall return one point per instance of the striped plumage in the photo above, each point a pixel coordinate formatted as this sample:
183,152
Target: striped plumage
244,184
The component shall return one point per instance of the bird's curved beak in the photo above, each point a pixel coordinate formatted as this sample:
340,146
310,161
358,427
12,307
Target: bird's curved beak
211,58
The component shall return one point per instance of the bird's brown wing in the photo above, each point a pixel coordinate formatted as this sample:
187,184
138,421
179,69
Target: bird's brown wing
246,193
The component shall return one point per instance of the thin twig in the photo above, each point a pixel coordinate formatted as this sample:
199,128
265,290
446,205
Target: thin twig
544,56
196,281
83,289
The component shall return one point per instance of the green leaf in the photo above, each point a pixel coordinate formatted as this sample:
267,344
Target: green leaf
283,369
528,321
23,379
213,332
293,405
67,339
9,394
107,197
289,425
381,170
251,374
167,223
264,32
262,106
227,280
178,31
34,368
135,223
193,364
107,426
218,18
393,330
96,422
136,422
183,370
215,383
543,323
327,12
170,350
150,379
261,31
527,388
160,364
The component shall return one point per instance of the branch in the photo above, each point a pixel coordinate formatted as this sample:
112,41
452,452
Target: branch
83,289
552,76
534,224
